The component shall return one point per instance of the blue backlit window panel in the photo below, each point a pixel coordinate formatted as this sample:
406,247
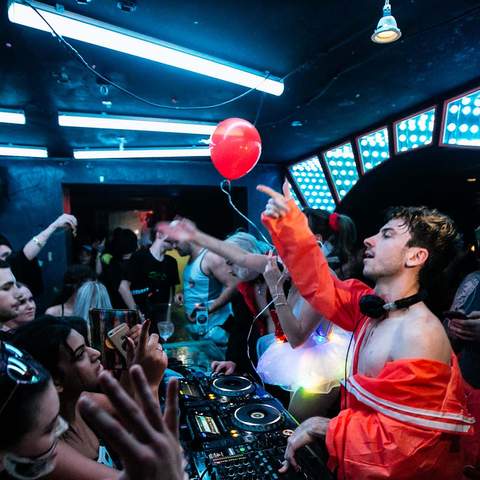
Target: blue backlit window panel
373,149
342,168
313,185
415,131
461,125
295,197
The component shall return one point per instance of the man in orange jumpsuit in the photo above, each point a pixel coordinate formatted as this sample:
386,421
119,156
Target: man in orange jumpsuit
406,404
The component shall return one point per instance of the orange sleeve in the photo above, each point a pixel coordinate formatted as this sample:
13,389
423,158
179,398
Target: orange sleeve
363,444
297,246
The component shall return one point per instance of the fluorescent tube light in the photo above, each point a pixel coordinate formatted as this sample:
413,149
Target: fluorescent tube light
12,151
105,35
142,153
12,116
134,123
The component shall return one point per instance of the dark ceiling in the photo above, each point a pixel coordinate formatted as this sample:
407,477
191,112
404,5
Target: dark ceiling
444,178
336,80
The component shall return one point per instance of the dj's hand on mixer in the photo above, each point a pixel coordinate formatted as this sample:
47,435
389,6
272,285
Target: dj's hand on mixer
263,465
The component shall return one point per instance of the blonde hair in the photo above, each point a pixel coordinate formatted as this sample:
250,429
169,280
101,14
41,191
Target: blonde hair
92,294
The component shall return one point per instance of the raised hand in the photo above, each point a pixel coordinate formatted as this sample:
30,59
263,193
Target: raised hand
148,444
277,205
65,221
148,353
272,274
181,230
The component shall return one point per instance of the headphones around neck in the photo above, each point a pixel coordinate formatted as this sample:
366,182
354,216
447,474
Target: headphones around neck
375,307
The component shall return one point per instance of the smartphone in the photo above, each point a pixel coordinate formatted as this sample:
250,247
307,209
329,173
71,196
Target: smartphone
458,315
117,337
103,321
201,319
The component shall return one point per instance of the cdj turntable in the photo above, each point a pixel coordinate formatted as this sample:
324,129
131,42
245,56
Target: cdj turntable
232,429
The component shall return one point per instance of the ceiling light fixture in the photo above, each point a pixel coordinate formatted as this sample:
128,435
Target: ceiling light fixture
143,153
85,29
12,116
387,30
144,124
14,151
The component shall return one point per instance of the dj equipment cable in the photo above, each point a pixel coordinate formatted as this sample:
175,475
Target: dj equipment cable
251,329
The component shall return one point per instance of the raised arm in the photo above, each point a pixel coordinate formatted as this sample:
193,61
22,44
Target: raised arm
185,231
296,329
33,246
336,300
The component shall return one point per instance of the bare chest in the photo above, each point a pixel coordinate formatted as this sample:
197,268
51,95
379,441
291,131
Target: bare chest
376,347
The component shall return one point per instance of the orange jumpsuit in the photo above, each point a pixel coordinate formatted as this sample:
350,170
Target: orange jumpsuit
406,423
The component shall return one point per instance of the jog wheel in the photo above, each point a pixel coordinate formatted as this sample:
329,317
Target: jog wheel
257,417
232,386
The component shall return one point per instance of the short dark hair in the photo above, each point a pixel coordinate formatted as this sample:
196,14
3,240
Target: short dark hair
74,277
5,241
43,337
77,274
19,412
432,230
125,242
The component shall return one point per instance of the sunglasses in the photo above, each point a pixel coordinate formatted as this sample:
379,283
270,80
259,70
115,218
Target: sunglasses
19,368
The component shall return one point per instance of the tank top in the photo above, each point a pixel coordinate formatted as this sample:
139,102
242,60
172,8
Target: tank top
201,288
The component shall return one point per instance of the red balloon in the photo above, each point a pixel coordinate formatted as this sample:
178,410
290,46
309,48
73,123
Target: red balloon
235,148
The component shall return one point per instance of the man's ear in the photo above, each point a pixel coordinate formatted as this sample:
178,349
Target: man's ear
416,257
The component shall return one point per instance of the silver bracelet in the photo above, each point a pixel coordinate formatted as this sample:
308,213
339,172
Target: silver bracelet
280,297
37,242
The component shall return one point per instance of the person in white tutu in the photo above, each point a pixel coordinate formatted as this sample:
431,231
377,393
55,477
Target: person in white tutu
313,361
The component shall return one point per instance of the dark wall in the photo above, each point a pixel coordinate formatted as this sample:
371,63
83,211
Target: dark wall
32,195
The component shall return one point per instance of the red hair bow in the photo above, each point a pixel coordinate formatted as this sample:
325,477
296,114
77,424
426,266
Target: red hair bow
334,222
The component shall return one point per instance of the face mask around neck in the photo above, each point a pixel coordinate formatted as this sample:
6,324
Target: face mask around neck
26,468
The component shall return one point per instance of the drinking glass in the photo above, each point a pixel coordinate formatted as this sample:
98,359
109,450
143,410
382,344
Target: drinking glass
165,329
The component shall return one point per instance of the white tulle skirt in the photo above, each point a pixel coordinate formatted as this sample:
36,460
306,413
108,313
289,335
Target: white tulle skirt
317,366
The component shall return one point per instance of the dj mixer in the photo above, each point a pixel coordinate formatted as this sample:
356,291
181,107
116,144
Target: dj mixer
232,429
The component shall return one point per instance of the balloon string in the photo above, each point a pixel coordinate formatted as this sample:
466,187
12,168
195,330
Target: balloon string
225,187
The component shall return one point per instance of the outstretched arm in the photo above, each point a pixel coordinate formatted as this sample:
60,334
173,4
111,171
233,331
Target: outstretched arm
185,230
336,300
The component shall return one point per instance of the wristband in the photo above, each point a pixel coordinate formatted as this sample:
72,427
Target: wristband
37,242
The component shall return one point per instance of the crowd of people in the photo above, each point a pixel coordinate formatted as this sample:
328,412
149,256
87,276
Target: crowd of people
340,330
